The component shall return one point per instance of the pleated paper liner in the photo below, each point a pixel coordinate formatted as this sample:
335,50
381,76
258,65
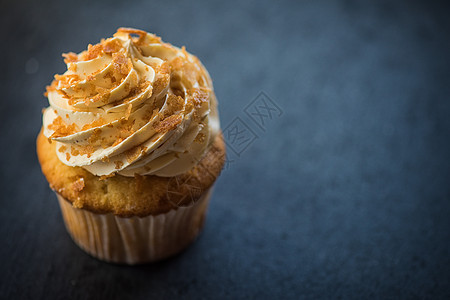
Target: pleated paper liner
135,240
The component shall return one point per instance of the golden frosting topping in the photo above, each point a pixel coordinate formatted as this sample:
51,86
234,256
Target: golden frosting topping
132,104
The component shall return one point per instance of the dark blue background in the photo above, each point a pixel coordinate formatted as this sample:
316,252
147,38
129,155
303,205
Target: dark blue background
346,194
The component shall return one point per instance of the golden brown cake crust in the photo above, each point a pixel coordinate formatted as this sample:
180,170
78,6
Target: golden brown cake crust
129,196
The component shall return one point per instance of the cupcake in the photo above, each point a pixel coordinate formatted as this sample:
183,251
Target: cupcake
131,145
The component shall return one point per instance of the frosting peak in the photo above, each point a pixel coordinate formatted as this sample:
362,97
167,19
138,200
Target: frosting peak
131,105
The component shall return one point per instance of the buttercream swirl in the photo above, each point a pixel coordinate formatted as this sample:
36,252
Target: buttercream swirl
132,105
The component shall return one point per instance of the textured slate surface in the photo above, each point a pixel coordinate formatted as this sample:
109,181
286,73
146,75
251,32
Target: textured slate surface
346,194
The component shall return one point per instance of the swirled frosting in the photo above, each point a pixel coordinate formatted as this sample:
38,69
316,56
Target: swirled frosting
131,105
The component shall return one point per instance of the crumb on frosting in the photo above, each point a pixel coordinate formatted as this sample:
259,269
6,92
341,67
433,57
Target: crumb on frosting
111,46
70,57
95,136
121,63
74,151
134,153
168,123
118,164
96,123
200,138
92,52
60,128
131,31
174,104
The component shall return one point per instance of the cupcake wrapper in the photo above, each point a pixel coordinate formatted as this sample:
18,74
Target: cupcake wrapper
136,239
